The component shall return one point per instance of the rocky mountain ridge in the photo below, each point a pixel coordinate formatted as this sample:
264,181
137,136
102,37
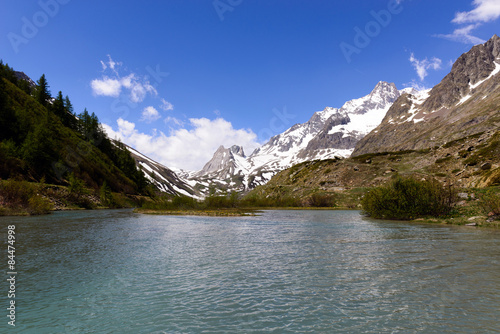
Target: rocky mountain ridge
464,103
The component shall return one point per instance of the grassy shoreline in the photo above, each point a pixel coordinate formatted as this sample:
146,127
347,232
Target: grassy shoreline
21,198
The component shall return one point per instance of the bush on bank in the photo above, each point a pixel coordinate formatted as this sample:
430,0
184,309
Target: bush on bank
406,198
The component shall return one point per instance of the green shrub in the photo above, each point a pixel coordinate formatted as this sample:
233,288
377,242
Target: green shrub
180,202
221,201
106,196
490,203
20,197
39,205
184,202
277,201
76,187
409,198
16,193
319,200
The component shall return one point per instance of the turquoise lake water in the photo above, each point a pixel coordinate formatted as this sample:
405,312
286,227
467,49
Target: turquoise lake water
114,271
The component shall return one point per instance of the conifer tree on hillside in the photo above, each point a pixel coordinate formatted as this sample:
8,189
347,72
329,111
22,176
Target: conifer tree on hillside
38,150
42,93
58,107
70,114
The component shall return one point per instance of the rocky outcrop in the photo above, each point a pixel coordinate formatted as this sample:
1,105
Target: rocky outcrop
469,69
466,102
223,160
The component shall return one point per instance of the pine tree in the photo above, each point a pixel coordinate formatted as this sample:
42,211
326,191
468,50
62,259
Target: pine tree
38,147
58,107
25,86
7,72
68,106
42,91
70,114
89,127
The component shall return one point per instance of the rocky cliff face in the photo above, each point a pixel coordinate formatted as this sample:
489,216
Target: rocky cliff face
466,102
226,171
224,159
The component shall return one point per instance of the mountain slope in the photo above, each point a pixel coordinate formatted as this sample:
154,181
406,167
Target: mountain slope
161,176
330,133
464,103
347,179
38,144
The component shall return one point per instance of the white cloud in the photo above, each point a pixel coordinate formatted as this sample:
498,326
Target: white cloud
485,11
174,121
187,149
421,66
463,35
112,63
138,91
165,105
106,87
150,114
416,85
136,87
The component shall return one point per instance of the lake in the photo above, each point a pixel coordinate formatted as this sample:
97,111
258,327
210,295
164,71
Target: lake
113,271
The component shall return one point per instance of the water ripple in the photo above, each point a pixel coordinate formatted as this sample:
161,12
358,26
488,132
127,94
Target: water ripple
282,272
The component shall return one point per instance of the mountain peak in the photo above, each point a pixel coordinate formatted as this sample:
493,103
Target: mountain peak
223,161
383,87
237,150
382,95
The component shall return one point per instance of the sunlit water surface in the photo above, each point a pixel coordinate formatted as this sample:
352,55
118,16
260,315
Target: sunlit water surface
115,271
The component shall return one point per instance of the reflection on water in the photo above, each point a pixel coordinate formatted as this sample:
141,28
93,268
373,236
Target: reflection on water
285,271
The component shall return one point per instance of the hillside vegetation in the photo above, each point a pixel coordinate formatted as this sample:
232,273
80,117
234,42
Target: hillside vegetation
42,140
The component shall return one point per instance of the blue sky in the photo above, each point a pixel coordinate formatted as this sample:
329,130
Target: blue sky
176,79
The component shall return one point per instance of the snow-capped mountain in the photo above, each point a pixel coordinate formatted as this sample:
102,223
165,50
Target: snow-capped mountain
225,171
332,132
